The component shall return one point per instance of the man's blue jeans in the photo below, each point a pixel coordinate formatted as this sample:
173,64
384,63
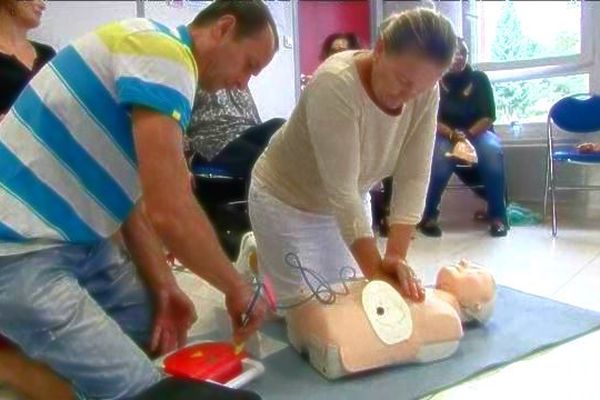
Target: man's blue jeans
489,171
85,312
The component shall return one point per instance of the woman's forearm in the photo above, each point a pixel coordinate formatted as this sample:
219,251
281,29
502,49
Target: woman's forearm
399,238
367,256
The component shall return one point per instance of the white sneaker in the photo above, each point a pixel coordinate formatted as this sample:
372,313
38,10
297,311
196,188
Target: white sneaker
247,262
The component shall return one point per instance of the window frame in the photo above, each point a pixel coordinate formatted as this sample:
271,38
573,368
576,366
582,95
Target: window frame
507,71
547,67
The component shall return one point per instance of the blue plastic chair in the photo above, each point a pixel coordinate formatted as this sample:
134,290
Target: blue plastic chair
576,114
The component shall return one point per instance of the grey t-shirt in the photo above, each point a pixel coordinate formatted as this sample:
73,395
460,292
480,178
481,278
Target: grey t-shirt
218,119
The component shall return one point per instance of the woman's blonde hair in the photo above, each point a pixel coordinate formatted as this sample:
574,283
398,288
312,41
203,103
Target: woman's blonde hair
422,30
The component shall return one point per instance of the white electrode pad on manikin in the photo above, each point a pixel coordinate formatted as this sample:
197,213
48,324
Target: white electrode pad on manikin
387,312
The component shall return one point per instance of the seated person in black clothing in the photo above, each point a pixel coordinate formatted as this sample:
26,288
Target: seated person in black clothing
226,131
20,58
467,109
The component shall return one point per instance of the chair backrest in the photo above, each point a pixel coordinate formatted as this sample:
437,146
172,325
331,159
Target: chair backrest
577,113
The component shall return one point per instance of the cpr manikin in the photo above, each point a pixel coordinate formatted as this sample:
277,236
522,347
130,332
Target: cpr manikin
373,326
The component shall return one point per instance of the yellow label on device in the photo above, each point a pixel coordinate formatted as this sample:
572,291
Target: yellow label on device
239,348
197,354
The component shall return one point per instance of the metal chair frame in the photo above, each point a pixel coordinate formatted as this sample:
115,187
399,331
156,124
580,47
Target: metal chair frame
550,176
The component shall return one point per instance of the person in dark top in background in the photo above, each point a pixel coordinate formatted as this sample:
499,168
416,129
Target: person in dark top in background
467,108
334,43
337,42
20,58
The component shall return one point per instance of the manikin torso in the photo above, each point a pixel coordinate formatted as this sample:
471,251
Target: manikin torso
343,328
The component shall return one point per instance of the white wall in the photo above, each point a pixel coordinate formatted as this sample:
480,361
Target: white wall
273,89
595,73
65,21
451,9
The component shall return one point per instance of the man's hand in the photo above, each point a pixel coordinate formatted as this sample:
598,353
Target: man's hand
237,302
175,314
400,275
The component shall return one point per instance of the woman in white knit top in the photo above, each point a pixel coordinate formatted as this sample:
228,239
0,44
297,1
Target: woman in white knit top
365,115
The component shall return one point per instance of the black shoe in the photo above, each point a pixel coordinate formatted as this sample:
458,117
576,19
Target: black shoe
430,228
498,229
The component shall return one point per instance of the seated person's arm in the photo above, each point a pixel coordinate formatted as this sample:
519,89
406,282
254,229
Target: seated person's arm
483,101
480,126
444,130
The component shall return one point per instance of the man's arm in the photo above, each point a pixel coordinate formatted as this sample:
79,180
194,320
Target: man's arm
174,312
146,250
176,216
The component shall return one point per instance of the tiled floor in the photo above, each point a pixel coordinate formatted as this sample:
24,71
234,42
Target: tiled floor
566,269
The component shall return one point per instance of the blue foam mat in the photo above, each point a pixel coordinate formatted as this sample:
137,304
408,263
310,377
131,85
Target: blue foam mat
522,324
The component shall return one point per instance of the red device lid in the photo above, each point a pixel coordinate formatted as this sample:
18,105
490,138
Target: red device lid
214,361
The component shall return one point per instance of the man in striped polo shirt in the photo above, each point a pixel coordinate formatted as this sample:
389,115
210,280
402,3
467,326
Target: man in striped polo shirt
92,151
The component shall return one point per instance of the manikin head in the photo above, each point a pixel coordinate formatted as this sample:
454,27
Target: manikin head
473,287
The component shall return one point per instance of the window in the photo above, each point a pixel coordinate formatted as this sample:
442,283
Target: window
533,51
515,31
529,100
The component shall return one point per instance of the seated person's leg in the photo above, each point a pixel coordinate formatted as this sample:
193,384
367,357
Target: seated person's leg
45,310
491,170
470,177
441,171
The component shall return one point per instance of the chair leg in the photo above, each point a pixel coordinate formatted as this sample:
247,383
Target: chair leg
546,185
553,199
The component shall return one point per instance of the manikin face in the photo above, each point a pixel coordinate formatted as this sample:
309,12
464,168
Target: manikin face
469,283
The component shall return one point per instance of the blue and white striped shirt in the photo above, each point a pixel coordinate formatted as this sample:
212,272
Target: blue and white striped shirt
68,167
